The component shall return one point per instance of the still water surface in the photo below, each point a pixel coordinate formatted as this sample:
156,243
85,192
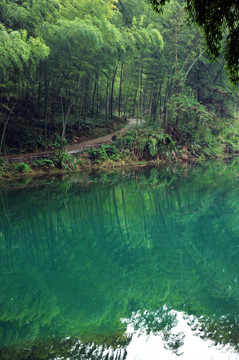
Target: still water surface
141,265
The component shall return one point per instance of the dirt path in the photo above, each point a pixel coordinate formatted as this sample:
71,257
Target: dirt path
73,149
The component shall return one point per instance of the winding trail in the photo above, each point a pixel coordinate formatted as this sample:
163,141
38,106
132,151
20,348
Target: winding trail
73,149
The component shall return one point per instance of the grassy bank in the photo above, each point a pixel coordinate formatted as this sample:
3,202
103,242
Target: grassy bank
136,147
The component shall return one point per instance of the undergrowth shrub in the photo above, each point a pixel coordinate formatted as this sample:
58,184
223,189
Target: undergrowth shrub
64,161
22,167
104,152
147,143
43,163
58,143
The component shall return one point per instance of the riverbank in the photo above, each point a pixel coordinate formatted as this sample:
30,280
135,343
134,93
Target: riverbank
127,148
45,169
65,164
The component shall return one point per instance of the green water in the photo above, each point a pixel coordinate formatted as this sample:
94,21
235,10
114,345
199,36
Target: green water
87,262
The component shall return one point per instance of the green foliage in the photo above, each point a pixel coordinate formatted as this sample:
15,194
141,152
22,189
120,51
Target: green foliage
104,152
2,162
97,154
128,140
43,163
18,51
64,161
63,38
22,167
215,18
147,143
188,109
68,67
58,142
86,124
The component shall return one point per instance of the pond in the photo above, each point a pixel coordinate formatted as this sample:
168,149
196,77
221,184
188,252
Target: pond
136,265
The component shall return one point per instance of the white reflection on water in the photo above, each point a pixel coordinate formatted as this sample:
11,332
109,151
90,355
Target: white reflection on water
183,343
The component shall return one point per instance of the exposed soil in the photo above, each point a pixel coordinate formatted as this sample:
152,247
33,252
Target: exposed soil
72,149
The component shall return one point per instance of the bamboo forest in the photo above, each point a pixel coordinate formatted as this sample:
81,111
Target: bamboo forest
119,180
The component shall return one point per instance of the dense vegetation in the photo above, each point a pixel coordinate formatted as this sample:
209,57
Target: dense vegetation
219,21
67,67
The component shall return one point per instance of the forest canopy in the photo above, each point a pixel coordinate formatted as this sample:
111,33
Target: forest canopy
75,70
219,20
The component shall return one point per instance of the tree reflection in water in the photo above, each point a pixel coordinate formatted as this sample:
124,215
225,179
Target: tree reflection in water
160,323
79,256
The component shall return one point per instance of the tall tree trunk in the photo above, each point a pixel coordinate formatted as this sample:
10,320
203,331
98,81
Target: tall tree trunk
120,87
112,92
46,88
69,101
94,94
45,134
140,93
5,126
97,99
176,50
107,99
135,98
150,104
86,96
39,98
157,102
65,115
65,111
80,112
126,99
